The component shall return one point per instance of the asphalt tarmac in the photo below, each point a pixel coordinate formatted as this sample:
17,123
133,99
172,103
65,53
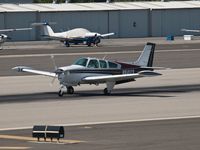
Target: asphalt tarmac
169,54
183,134
152,113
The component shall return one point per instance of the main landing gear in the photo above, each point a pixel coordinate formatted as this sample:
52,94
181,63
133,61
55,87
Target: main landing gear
110,86
69,90
66,43
106,92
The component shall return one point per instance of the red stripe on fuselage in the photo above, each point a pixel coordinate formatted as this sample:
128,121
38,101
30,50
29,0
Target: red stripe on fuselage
127,66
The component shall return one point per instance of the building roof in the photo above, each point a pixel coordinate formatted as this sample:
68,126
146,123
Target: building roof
35,7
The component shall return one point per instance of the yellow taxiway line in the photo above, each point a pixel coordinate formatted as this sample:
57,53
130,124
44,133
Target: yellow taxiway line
23,138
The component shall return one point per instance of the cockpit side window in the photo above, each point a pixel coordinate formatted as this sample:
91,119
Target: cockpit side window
112,65
103,63
93,63
81,62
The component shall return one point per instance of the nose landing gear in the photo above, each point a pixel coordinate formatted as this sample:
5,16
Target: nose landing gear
63,89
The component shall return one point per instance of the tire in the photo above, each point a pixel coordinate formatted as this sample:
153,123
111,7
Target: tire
70,90
88,44
66,43
105,91
97,41
60,93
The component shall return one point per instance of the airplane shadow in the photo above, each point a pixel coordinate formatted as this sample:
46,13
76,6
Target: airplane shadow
160,91
163,91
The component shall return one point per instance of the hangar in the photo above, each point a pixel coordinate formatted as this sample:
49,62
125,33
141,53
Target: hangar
126,19
16,1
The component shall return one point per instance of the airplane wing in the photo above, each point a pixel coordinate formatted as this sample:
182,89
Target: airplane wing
188,30
107,34
11,30
30,70
114,78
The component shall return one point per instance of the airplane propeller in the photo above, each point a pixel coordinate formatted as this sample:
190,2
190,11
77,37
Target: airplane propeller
57,71
54,62
55,67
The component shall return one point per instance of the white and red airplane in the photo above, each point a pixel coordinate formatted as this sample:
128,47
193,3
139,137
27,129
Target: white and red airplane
74,36
87,70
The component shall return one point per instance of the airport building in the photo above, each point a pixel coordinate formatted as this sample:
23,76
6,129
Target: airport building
126,19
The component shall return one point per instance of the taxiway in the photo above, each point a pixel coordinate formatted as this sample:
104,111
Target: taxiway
152,113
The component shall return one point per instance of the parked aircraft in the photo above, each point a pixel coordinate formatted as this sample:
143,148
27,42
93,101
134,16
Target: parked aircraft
74,36
4,37
87,70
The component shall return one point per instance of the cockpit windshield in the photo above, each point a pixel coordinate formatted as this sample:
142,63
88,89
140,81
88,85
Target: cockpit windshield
81,62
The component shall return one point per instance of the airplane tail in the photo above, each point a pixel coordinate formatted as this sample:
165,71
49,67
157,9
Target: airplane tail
147,55
47,29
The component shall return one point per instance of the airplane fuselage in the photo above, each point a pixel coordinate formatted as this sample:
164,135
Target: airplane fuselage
78,36
73,75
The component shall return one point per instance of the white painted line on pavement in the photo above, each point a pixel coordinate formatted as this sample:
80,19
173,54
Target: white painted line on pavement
110,122
94,53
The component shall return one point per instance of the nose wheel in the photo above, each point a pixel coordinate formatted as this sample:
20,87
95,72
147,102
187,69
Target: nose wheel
70,90
61,93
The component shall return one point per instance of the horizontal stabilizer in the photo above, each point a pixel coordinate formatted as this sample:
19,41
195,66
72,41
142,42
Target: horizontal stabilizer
154,68
11,30
149,73
42,23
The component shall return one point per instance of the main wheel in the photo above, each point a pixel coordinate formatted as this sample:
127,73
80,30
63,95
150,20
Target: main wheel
106,92
97,41
60,93
70,90
88,44
66,43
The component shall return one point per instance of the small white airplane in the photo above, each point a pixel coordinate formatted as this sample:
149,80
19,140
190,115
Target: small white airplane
88,70
4,37
74,36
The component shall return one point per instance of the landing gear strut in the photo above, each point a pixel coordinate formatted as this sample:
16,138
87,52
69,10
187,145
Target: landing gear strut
106,92
60,93
69,90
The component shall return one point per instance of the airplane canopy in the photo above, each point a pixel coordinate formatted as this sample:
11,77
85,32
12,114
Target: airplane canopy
96,63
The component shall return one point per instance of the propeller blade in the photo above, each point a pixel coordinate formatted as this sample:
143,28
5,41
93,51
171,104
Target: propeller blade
52,81
54,62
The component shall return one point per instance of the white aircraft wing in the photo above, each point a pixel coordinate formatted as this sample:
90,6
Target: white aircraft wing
11,30
30,70
114,78
188,30
107,34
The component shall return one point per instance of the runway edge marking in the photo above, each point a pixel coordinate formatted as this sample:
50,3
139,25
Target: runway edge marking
93,53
